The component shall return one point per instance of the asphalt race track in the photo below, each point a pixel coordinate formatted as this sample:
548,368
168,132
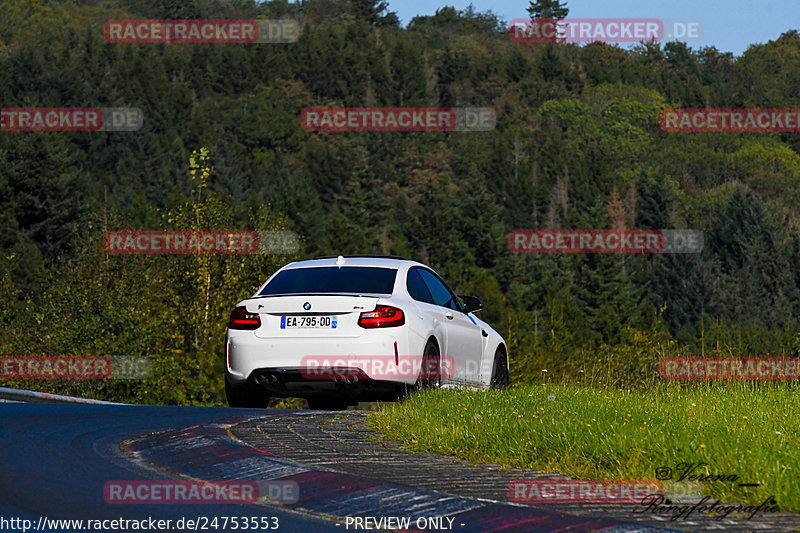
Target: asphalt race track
57,459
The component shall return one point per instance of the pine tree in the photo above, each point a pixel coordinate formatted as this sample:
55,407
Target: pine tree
548,9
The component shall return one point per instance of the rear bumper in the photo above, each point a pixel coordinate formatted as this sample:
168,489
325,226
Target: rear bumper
249,356
350,383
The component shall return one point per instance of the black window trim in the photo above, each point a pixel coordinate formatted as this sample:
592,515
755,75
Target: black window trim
339,293
459,307
427,290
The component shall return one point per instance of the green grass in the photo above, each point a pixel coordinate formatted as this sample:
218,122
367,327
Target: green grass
741,428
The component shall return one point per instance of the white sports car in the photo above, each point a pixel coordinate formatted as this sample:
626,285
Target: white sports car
342,330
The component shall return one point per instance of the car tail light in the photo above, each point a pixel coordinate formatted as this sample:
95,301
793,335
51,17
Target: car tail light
241,319
384,316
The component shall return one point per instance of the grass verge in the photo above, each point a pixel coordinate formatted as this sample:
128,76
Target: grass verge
749,430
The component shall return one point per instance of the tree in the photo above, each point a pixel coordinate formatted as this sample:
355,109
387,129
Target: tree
548,9
451,20
374,12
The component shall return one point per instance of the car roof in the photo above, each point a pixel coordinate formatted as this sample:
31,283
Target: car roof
363,261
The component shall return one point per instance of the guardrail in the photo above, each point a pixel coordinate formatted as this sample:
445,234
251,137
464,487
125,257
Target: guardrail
26,396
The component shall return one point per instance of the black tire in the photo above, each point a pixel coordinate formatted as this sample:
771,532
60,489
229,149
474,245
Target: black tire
501,379
327,403
245,396
430,375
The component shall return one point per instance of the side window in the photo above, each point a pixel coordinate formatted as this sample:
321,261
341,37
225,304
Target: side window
416,287
441,294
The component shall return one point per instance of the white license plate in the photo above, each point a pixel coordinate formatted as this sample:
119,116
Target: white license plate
300,321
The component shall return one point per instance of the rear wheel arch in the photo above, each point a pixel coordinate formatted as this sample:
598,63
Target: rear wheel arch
502,348
425,381
501,373
432,338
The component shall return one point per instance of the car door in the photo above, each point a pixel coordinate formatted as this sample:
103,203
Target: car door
464,343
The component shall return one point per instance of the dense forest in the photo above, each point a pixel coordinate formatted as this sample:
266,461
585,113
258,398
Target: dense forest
577,145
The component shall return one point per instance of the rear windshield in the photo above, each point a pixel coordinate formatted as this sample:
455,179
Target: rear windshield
316,280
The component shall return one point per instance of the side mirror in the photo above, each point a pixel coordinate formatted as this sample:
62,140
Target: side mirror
472,304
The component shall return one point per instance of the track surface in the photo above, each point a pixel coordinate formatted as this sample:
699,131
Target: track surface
56,460
343,443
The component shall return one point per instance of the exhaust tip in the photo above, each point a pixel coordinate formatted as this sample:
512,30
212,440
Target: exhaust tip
266,379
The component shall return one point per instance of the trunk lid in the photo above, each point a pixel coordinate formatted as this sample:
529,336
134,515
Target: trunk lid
311,315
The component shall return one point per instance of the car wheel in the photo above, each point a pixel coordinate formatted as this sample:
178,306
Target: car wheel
327,403
245,396
430,375
500,376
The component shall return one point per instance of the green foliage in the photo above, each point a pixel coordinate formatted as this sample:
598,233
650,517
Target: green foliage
453,21
548,9
172,309
577,145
